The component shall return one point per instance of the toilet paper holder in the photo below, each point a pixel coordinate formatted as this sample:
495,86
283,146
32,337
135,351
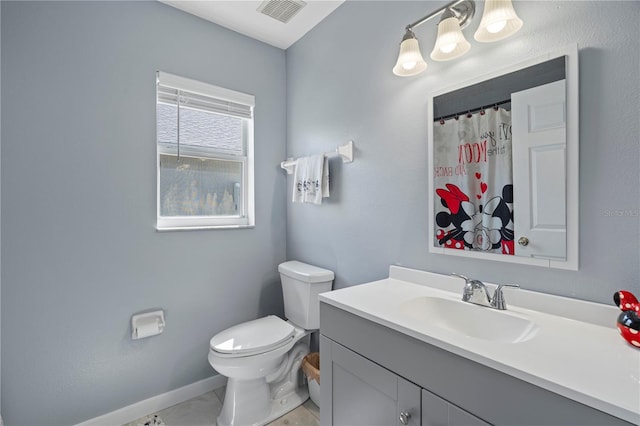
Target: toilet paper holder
147,324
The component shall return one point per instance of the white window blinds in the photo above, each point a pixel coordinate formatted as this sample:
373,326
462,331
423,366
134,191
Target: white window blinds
171,96
196,115
228,101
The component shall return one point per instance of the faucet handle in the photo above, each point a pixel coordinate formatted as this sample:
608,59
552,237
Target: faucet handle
466,279
498,301
474,291
467,292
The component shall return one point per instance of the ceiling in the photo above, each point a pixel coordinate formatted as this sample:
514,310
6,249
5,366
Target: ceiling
242,16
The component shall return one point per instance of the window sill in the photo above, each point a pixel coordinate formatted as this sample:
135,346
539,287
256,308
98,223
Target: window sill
203,228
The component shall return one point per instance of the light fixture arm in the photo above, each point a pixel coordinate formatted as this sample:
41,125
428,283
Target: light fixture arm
463,10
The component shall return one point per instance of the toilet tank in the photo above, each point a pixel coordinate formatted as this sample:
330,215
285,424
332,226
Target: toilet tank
301,284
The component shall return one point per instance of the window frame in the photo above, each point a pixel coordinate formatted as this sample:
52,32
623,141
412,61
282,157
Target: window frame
246,218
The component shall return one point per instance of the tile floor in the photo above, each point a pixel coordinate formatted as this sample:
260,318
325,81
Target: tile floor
203,411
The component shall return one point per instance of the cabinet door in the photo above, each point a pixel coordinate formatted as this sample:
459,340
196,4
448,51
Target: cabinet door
438,412
358,392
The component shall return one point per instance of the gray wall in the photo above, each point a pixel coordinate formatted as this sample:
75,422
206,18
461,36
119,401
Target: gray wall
340,87
79,249
80,253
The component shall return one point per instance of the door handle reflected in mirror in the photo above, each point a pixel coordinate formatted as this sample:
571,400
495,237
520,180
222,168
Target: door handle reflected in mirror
523,241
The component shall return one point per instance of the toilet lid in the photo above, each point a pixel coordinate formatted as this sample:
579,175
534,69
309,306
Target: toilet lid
255,336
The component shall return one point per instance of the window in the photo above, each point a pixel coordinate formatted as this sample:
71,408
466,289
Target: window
205,155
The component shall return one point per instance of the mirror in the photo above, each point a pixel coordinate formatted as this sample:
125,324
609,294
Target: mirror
503,156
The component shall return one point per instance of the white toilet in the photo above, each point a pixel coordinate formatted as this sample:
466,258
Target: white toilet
262,358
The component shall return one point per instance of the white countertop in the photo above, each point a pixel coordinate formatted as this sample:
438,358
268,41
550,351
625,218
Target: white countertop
577,351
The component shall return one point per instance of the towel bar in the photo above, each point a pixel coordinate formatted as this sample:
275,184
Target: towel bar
345,152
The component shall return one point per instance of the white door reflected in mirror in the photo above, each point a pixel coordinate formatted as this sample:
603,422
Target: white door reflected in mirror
539,172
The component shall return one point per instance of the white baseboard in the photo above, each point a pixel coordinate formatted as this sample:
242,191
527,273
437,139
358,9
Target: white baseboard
156,403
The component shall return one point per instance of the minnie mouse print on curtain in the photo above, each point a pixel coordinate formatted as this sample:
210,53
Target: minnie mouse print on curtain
473,181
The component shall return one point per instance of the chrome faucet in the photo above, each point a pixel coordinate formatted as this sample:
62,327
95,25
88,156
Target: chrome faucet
476,292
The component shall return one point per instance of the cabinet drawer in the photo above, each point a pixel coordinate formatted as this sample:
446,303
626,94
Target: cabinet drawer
438,412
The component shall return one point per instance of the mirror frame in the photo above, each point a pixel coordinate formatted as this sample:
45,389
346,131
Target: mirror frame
572,165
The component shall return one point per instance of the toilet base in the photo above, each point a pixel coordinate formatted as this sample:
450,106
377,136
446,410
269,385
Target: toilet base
249,402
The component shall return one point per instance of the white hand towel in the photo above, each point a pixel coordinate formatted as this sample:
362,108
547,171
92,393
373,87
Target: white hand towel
325,177
311,179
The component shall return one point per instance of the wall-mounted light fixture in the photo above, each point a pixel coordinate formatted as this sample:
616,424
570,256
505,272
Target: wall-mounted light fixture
499,21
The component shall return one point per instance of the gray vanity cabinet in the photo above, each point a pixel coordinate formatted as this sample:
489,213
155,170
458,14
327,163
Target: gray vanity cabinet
362,393
370,374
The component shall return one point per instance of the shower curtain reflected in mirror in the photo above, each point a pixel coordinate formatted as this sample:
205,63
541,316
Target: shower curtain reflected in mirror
474,182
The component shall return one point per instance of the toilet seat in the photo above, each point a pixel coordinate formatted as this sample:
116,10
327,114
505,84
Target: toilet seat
253,337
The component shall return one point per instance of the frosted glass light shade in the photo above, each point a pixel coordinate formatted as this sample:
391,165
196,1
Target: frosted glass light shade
450,43
410,60
499,21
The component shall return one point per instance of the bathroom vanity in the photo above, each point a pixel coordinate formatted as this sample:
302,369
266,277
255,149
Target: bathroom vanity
407,351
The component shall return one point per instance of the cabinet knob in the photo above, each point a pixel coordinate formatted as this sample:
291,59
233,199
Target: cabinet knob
404,417
523,241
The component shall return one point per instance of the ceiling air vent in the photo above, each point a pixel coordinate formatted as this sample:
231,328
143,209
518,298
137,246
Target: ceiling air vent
282,10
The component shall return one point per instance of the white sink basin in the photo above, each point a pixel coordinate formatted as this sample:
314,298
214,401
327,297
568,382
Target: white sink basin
470,320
